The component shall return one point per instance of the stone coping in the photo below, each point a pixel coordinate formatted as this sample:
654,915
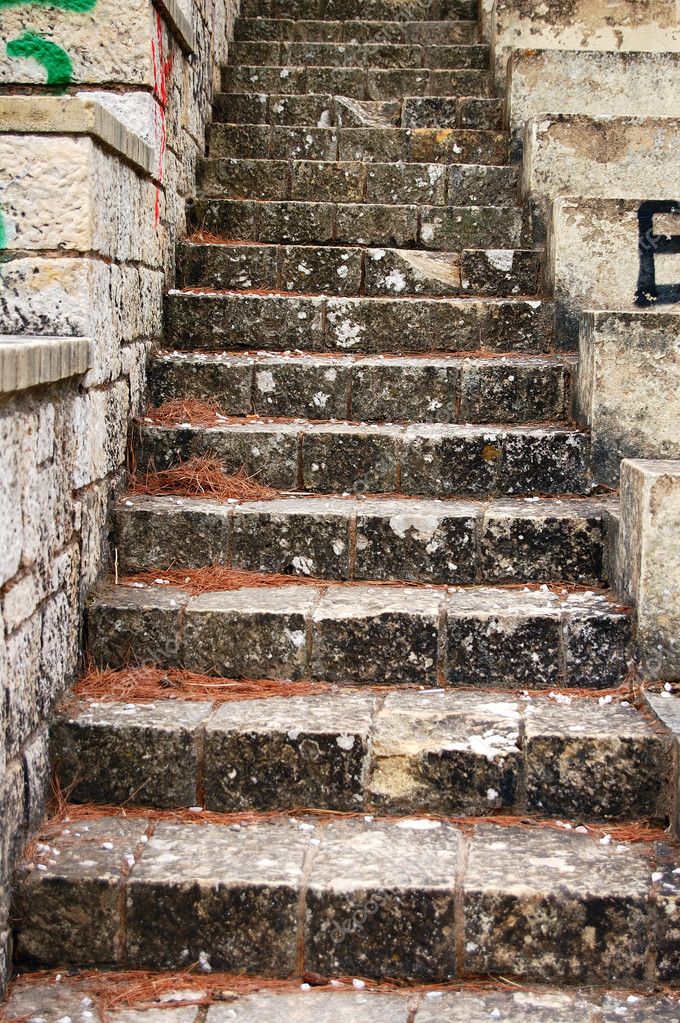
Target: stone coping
74,115
179,24
27,361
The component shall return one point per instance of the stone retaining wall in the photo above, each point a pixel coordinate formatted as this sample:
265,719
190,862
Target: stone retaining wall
94,171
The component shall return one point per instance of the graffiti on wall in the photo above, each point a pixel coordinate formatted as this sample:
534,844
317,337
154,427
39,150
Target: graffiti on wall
652,246
77,6
52,58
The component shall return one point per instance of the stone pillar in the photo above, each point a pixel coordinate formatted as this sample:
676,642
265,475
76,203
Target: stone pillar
650,558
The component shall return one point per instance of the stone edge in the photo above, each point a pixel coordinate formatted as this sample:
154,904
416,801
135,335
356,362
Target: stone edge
179,24
73,115
27,362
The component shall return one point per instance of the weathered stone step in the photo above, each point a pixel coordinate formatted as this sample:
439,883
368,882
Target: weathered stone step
355,83
38,995
378,539
370,10
367,145
235,321
429,459
377,635
340,270
343,112
412,751
380,55
413,899
511,389
429,227
356,181
447,33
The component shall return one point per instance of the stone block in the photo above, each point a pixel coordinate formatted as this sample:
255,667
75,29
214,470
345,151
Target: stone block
274,620
313,1007
378,903
483,186
628,387
461,227
514,390
156,532
376,224
399,389
454,753
422,184
331,271
307,751
143,754
397,271
69,912
650,519
530,897
224,379
376,636
338,458
140,622
249,876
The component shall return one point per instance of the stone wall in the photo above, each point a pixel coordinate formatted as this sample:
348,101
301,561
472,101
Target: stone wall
102,119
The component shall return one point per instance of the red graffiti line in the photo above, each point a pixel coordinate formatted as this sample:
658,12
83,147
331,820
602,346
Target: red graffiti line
162,69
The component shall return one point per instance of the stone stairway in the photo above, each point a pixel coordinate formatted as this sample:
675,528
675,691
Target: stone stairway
360,300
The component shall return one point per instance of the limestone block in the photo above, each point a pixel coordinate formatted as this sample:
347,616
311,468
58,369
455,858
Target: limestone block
596,83
617,157
628,388
650,525
612,253
100,432
581,25
80,30
23,660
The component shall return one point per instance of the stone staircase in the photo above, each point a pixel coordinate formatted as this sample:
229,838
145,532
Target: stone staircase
360,296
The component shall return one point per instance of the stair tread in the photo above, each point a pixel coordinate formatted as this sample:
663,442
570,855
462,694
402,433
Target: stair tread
373,749
498,873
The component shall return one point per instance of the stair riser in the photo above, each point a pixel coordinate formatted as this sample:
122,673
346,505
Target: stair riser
368,10
434,227
335,460
330,111
233,762
356,83
399,326
367,55
414,646
470,545
449,33
372,145
371,272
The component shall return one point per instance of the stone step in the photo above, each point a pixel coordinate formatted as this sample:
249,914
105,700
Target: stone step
34,996
512,389
412,899
449,228
379,539
339,111
355,181
421,459
411,751
354,82
233,321
367,145
350,634
423,33
369,10
341,270
379,55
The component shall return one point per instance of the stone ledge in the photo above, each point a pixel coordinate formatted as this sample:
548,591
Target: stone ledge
27,362
72,115
179,24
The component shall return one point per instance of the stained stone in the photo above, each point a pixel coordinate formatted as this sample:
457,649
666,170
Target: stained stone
501,272
389,390
450,460
430,112
226,218
518,326
69,912
554,907
587,760
144,754
398,271
459,227
638,1009
503,639
244,179
417,183
377,636
338,459
302,386
224,379
381,145
415,541
307,751
274,620
374,224
543,541
379,904
155,532
234,108
237,322
667,898
352,113
297,537
598,646
482,186
314,1007
138,622
332,271
296,222
499,390
481,113
328,182
544,461
295,110
239,886
515,1007
227,266
449,752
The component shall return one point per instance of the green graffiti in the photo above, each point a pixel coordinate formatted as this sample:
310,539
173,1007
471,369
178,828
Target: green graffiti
56,61
3,232
77,6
